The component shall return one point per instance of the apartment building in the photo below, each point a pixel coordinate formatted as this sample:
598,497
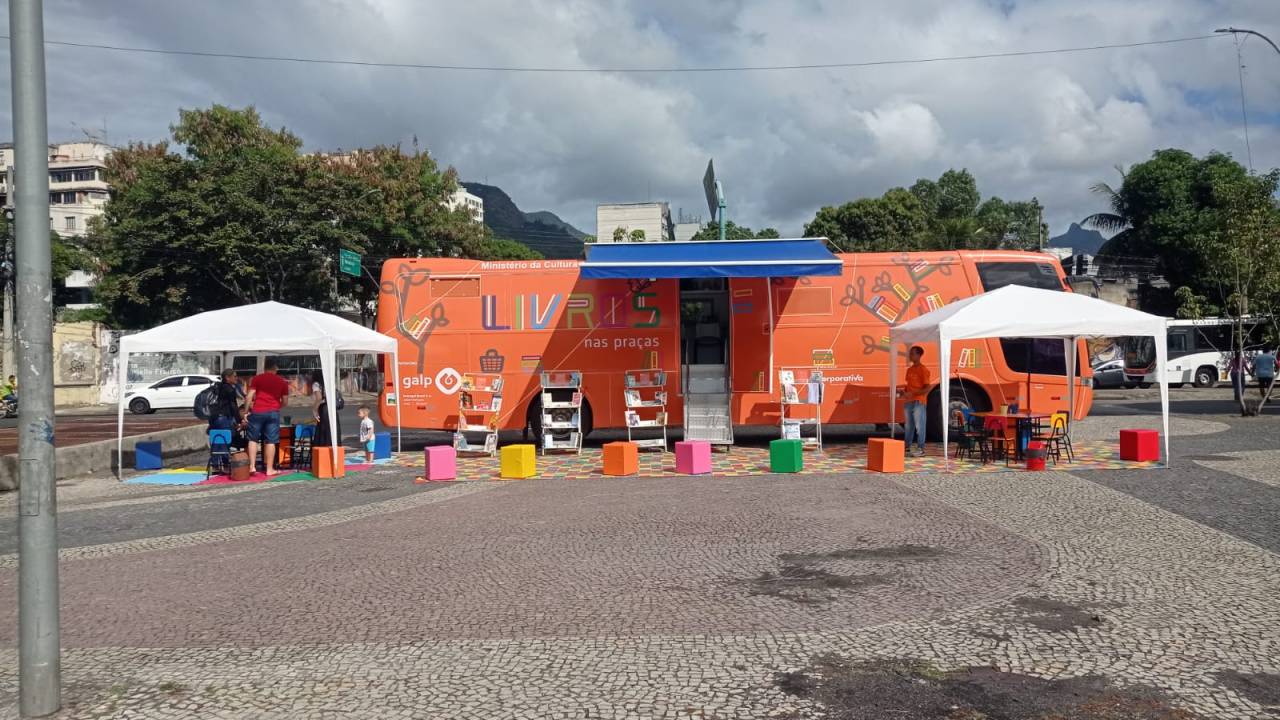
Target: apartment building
463,199
651,218
78,188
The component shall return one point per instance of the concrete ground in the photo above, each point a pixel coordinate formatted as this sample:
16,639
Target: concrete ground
1137,593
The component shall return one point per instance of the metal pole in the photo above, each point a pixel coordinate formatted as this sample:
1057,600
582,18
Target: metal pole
39,662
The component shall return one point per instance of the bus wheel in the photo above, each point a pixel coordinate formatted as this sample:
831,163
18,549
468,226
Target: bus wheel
963,397
533,421
1206,377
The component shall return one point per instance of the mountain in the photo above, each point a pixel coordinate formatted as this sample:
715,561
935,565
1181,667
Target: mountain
542,231
1077,238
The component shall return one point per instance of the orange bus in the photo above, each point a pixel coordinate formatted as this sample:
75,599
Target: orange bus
718,335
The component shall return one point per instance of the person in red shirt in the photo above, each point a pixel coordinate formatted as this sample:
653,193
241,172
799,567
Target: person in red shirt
917,394
268,394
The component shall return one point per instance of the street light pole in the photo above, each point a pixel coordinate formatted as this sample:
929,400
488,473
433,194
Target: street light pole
39,661
1244,112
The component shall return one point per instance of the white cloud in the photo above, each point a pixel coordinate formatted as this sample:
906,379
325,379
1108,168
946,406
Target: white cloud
784,142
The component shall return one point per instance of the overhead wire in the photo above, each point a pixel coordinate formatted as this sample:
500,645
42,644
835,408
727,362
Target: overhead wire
619,70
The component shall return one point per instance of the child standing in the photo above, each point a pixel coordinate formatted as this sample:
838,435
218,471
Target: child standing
366,432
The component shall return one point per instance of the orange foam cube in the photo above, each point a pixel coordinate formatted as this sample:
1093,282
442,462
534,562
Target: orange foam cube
324,466
885,455
621,458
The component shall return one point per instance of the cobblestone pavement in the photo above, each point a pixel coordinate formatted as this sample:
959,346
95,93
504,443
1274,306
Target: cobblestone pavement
676,598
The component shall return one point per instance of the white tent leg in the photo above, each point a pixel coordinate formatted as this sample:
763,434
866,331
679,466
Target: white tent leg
122,378
944,390
395,364
1162,359
1070,354
328,359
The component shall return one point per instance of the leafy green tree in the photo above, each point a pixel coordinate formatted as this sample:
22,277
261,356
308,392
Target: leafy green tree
946,214
732,231
237,214
504,249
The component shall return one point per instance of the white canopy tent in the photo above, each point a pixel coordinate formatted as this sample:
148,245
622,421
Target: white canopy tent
1017,311
269,328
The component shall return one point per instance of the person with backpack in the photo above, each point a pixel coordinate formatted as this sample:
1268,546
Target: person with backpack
223,403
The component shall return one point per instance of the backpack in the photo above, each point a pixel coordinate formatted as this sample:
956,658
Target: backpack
206,405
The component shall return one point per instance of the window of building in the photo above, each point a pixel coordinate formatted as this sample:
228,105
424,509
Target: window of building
69,222
86,175
60,176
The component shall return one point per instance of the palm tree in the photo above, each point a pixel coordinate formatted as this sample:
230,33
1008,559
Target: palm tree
1116,222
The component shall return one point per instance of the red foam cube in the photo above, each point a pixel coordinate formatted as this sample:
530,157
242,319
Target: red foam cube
1140,445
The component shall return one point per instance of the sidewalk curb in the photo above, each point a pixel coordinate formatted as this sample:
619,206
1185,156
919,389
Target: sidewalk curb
100,456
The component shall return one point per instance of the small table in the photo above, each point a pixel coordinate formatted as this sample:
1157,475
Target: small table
1027,423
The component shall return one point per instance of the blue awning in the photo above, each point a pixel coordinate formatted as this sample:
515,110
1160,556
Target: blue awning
711,258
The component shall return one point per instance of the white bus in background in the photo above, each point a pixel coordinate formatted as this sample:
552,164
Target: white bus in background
1199,351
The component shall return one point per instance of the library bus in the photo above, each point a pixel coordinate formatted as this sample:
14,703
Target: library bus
721,318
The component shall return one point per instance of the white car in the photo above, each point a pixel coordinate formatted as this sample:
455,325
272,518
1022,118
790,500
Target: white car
175,391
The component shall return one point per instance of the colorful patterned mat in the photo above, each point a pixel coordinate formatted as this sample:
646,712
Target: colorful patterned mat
1089,455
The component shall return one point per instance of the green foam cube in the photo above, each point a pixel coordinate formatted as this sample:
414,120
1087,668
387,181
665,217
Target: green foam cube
786,456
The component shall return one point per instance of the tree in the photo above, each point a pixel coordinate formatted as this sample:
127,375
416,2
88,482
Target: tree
946,214
503,249
896,221
711,231
238,214
1172,208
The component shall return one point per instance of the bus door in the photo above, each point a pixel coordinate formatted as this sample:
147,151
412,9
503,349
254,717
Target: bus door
704,334
751,323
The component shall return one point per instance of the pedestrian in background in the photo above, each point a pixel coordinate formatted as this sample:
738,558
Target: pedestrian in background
1264,369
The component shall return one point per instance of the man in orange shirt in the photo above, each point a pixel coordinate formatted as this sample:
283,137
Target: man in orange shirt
917,395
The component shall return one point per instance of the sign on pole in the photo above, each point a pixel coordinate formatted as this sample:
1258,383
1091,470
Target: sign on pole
349,262
709,187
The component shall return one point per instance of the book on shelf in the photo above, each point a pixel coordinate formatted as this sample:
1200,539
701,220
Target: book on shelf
661,397
460,442
491,443
468,383
465,401
577,398
789,393
786,377
661,418
632,396
496,384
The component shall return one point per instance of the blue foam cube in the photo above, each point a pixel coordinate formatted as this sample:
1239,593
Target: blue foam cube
146,456
381,445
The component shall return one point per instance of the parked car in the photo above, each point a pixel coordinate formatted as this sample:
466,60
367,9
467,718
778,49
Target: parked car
175,391
1110,374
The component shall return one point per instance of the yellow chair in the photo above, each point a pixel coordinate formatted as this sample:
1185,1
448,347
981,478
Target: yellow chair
518,462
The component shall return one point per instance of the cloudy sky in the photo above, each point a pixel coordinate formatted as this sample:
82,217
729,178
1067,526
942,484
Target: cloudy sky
784,142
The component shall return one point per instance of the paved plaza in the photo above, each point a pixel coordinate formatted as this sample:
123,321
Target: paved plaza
674,597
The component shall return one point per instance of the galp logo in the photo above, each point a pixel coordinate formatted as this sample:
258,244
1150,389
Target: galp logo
448,380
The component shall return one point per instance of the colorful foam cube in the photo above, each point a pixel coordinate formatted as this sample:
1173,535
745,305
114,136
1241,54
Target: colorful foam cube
381,445
518,462
147,456
1139,445
786,456
885,455
693,457
323,464
441,463
621,458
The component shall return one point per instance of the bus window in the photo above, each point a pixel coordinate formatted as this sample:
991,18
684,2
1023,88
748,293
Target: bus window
1043,356
995,275
1177,345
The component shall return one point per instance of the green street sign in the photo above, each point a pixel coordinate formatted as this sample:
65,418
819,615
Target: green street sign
349,262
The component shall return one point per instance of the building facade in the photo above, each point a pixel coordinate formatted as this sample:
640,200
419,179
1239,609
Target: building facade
463,199
78,187
652,219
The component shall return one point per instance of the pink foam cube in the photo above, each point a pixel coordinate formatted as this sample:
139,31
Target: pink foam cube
442,463
693,457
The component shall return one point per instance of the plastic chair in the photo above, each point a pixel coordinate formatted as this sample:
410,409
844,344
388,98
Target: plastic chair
219,452
302,436
1004,443
1057,440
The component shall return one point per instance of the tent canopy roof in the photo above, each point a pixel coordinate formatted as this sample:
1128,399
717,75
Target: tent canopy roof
261,327
1017,311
